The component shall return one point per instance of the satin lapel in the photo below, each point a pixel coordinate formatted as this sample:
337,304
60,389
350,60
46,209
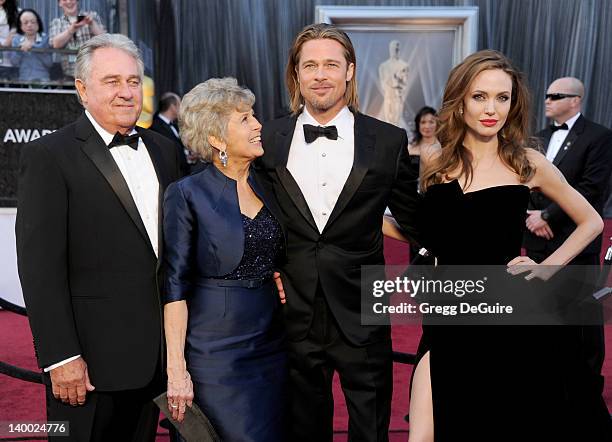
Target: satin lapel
282,141
569,141
99,154
364,153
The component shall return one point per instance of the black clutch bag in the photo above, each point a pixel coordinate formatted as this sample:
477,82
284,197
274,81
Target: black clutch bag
195,426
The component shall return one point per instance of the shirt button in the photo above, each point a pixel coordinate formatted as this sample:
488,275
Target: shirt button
324,184
324,213
323,154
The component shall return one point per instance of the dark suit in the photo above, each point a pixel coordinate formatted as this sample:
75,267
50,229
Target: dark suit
322,277
87,267
585,159
161,127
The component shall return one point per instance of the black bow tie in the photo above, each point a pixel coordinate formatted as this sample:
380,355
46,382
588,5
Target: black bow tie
555,128
311,132
123,140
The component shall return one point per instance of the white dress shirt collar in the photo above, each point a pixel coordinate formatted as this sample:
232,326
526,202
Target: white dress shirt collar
107,137
169,123
558,138
570,122
342,118
165,119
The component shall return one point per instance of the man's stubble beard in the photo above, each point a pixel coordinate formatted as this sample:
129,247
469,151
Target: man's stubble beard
324,104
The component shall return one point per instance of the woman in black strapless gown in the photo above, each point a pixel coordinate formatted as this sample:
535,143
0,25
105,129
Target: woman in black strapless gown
496,383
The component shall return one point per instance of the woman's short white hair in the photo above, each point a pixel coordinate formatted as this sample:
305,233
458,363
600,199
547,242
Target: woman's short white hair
82,68
205,112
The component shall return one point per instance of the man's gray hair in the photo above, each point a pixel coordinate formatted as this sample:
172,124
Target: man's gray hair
205,111
82,67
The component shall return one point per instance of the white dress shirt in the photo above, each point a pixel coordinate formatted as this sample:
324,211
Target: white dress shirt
322,167
139,174
558,137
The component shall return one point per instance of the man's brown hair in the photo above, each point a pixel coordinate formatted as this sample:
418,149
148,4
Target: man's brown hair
315,32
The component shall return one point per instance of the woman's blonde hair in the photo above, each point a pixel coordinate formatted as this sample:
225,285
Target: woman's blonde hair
316,32
513,137
205,112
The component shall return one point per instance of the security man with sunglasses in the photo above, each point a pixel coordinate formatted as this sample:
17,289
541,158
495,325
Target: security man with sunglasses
582,151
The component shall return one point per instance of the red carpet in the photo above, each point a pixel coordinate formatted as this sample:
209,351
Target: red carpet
20,401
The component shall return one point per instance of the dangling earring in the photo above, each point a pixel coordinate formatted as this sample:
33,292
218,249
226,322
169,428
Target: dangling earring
461,109
223,157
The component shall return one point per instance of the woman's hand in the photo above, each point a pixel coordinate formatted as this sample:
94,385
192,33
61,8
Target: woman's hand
180,392
523,264
9,38
26,45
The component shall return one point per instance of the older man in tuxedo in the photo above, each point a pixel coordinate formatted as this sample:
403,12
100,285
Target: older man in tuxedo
88,246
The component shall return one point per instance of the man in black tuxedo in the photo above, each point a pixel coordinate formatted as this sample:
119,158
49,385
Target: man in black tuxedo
582,151
164,122
88,246
333,171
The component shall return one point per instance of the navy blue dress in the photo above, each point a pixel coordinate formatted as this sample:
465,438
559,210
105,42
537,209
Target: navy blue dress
221,262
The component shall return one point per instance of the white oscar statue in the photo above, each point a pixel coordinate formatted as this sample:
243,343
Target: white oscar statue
393,77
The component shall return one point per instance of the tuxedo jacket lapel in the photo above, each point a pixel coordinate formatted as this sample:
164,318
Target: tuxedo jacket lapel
570,140
282,142
364,151
98,153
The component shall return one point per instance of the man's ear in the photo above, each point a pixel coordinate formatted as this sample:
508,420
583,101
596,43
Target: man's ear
81,90
350,71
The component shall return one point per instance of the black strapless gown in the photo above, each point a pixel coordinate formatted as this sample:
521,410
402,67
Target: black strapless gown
498,383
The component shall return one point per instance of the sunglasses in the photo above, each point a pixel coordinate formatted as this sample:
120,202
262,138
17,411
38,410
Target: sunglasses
555,97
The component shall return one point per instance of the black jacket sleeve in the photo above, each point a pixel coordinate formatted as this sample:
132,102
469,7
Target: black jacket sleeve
41,231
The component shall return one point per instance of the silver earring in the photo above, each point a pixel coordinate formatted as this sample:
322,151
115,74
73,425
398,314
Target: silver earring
461,110
223,157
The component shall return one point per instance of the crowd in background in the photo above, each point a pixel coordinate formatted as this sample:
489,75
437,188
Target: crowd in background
29,59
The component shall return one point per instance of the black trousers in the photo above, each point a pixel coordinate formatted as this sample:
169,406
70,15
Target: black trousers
128,415
366,376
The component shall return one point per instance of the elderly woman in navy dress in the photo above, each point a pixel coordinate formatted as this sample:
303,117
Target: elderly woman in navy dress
222,314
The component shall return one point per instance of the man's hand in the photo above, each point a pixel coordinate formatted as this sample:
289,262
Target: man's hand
75,26
279,286
537,225
70,382
545,232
